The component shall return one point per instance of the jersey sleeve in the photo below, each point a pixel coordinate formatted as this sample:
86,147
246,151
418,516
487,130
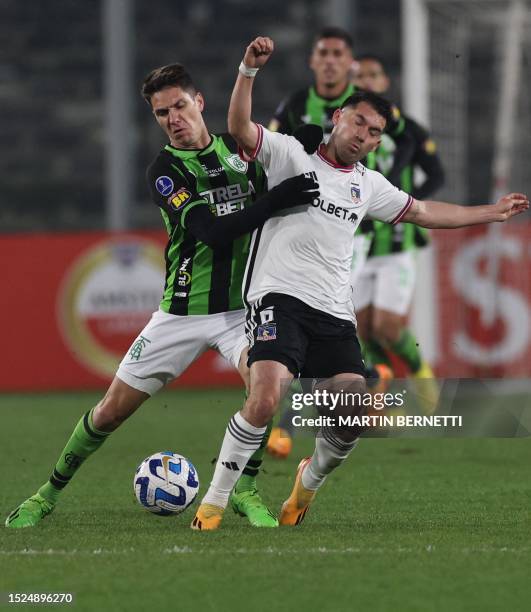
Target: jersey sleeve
387,202
273,150
171,191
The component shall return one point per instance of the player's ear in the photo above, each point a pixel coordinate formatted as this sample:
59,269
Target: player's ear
200,101
374,147
336,116
311,60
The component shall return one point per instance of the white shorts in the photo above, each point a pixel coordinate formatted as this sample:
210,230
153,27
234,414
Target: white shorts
362,244
387,282
170,343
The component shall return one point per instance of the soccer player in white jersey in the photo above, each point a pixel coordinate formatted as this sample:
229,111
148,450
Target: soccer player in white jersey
297,286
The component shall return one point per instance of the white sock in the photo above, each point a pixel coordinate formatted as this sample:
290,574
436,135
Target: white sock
329,452
240,441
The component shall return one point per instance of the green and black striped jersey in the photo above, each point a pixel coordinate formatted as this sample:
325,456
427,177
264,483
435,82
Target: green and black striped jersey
201,280
306,106
385,238
401,237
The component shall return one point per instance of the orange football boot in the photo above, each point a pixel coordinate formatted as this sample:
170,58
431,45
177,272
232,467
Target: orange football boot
295,507
207,518
280,443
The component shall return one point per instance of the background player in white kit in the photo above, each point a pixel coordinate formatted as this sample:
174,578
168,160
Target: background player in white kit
297,285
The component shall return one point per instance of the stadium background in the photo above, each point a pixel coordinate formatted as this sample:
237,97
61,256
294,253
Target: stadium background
77,138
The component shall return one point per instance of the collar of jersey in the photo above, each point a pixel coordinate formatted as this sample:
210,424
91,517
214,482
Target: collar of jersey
189,153
333,101
322,155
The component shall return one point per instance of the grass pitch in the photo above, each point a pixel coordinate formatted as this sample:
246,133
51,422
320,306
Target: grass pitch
440,524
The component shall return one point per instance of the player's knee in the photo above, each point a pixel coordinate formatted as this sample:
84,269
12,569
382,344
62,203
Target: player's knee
116,406
386,330
348,396
105,416
259,408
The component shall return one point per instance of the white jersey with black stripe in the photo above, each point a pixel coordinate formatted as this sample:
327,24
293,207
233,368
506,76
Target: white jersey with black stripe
307,252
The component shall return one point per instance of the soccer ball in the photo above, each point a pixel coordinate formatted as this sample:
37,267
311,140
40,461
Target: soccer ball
166,483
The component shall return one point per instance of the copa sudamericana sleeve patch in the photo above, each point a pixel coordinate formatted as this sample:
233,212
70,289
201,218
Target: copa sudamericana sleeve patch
180,198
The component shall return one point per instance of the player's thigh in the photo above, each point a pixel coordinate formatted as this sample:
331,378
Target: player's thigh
395,282
163,350
275,333
387,325
226,334
334,348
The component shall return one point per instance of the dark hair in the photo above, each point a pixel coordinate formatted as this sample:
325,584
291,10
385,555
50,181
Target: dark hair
380,105
372,57
172,75
334,32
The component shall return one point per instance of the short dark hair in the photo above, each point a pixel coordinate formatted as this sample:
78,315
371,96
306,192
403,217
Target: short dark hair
372,57
172,75
382,106
334,32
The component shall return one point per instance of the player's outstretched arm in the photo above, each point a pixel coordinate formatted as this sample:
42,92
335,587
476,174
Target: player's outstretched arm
241,128
219,231
439,215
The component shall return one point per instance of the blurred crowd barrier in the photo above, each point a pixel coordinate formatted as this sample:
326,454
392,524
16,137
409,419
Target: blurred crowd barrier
75,302
483,280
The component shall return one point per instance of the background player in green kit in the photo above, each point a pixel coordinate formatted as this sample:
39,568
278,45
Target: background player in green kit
330,61
205,194
386,282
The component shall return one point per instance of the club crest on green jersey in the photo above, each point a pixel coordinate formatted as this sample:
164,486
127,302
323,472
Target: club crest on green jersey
236,163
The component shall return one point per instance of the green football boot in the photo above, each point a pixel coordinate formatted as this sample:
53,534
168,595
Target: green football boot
249,503
29,513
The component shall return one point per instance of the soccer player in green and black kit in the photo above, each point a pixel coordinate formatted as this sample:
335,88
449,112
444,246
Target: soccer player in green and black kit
386,283
209,201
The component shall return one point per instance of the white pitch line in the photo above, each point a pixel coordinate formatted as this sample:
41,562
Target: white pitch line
322,550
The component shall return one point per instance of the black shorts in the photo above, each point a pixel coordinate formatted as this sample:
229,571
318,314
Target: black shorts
309,342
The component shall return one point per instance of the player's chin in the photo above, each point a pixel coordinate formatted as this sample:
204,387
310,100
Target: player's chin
351,156
330,79
184,142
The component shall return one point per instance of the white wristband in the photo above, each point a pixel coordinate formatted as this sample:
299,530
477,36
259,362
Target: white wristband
248,72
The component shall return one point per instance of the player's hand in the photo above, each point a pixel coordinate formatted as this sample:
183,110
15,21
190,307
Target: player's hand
511,205
258,52
295,191
310,136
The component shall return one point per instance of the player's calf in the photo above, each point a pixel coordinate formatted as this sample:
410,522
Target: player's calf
117,405
333,444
